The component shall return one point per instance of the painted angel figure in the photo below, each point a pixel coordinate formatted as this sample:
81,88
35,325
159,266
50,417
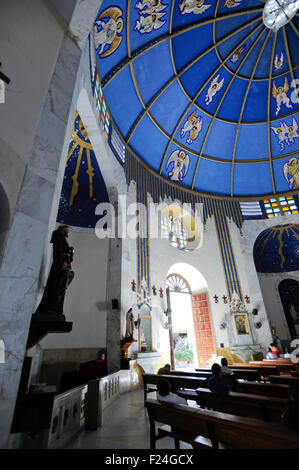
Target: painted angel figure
292,131
108,34
193,125
281,133
232,3
291,168
278,63
180,165
150,6
280,94
147,23
213,88
193,6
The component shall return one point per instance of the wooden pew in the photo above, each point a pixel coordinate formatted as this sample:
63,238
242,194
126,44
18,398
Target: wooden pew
241,404
283,379
244,374
206,374
282,365
212,429
178,382
266,389
264,371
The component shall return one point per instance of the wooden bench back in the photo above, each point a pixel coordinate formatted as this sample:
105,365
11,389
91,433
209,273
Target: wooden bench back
283,379
232,431
266,389
243,404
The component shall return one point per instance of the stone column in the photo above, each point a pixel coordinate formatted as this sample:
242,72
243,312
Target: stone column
114,292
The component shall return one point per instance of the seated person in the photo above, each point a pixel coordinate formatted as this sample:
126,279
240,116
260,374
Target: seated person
290,416
165,369
164,394
274,349
217,383
270,354
224,369
287,355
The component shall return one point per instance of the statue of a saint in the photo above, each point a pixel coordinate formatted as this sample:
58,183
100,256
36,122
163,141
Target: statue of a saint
61,273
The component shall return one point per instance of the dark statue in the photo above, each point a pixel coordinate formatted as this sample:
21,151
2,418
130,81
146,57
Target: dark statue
61,274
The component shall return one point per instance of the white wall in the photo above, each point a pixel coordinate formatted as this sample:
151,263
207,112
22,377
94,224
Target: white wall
30,39
85,301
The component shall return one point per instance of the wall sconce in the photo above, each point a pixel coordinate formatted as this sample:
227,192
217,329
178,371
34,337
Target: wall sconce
258,324
222,326
216,299
255,311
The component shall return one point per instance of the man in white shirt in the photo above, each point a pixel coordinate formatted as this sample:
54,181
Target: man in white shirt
224,369
165,395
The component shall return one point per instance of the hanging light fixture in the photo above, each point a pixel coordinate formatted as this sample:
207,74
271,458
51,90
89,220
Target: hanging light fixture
278,13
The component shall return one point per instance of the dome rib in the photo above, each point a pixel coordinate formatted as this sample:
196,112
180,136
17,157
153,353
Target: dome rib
165,37
269,113
243,106
196,96
218,107
185,68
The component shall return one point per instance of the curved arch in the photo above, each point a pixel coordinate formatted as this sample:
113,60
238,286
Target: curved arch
195,323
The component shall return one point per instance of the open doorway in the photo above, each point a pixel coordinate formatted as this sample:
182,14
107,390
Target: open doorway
191,324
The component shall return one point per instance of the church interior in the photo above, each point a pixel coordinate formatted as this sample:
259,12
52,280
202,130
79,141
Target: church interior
149,201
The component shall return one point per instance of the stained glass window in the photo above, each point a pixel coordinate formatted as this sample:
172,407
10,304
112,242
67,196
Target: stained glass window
101,106
280,205
174,229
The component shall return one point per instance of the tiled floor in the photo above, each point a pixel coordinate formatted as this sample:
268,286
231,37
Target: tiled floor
125,426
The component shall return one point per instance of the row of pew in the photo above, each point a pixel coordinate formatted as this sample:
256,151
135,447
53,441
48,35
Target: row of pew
248,417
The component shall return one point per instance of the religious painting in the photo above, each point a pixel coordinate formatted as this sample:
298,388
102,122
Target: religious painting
291,172
241,325
213,88
192,127
107,31
280,95
238,53
180,161
278,62
197,7
151,14
286,134
145,333
232,3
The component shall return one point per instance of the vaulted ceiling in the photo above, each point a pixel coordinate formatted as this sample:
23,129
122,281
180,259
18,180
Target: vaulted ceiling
203,92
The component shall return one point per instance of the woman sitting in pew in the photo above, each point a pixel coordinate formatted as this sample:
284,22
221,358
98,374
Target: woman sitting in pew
217,383
164,393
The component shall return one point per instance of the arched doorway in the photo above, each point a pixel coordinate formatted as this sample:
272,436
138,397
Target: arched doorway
191,322
289,295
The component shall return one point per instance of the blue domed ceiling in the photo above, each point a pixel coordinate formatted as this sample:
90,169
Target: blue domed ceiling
276,249
202,92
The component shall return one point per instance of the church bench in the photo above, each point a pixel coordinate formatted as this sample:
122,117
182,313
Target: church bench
241,404
245,374
207,373
283,379
282,365
264,371
213,429
266,389
176,382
